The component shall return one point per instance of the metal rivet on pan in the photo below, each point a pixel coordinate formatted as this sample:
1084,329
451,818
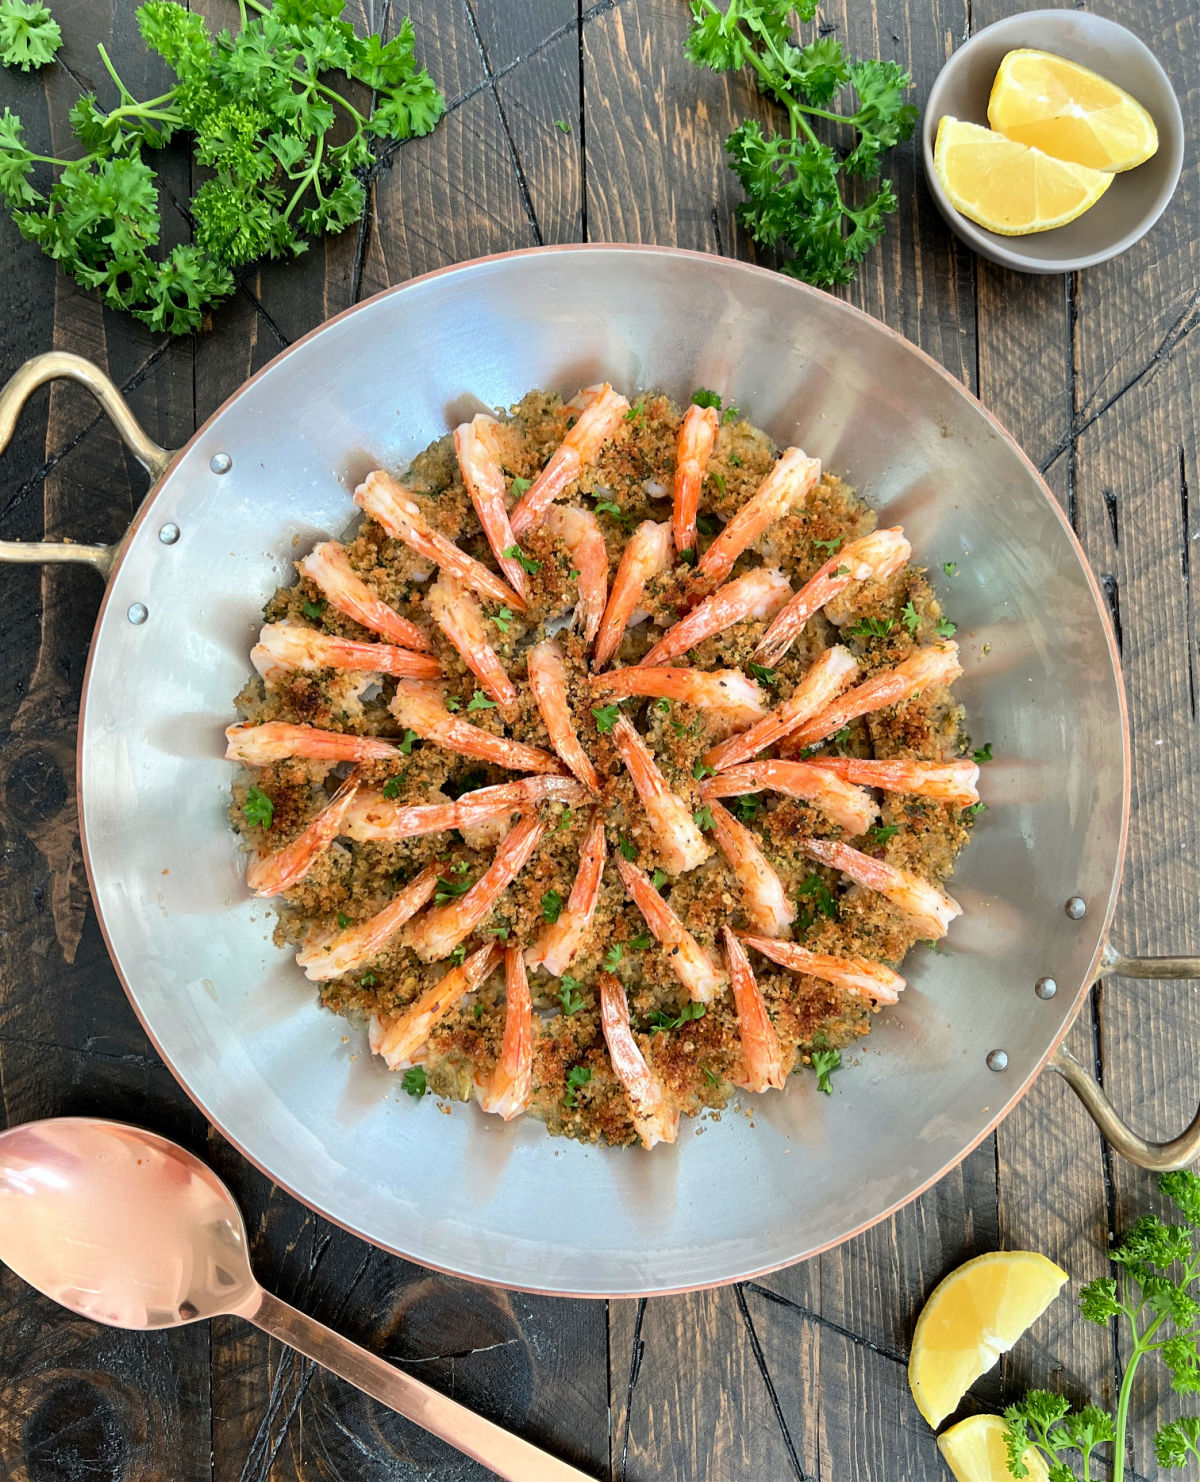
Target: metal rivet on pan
138,613
169,534
220,463
1077,908
1045,987
997,1060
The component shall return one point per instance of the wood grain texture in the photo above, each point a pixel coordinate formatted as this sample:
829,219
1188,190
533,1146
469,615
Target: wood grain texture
800,1374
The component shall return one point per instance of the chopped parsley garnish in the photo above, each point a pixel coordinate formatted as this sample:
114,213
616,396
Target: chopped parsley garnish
982,754
627,847
701,770
641,942
479,701
519,486
606,716
910,617
731,414
949,567
702,397
499,931
453,704
573,574
552,904
577,1077
709,524
568,994
945,628
258,808
735,460
842,570
718,480
882,832
448,889
658,879
688,555
515,553
829,546
702,818
459,955
608,507
662,705
660,1020
564,821
763,674
343,920
975,809
635,413
406,745
477,1010
414,1081
613,956
502,619
367,980
747,807
313,610
713,1080
871,628
825,1062
562,125
823,902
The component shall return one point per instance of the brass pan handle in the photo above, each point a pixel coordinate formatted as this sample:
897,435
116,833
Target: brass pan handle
1159,1156
62,365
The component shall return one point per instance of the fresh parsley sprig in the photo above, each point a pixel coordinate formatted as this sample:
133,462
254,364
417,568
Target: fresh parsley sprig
262,117
793,180
29,34
1155,1292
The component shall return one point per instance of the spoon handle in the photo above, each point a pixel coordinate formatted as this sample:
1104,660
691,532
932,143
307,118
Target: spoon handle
506,1454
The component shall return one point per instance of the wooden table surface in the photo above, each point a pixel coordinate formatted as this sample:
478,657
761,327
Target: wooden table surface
799,1375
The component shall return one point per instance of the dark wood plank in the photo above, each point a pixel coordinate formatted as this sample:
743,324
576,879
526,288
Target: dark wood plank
510,33
537,97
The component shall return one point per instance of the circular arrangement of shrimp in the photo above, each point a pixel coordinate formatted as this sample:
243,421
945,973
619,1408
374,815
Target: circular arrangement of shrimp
611,765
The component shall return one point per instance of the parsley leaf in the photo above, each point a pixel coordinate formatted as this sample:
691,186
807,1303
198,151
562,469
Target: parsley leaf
871,628
949,567
944,628
613,956
747,807
763,674
703,818
701,770
606,716
479,701
568,994
641,942
982,754
406,745
391,788
515,553
688,555
313,610
658,879
880,833
627,847
258,808
825,1062
459,955
552,904
447,890
29,34
577,1077
368,980
663,705
702,397
562,125
343,920
829,546
414,1081
910,617
518,487
660,1020
564,821
635,413
503,621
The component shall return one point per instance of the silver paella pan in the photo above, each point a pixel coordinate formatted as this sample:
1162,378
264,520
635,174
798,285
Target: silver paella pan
269,474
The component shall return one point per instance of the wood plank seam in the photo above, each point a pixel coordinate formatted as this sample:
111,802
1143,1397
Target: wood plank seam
1186,557
637,1352
761,1360
819,1320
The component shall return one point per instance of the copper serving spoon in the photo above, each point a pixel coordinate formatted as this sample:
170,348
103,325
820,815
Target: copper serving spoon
129,1229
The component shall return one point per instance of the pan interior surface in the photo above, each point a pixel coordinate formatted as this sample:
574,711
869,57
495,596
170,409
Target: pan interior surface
778,1177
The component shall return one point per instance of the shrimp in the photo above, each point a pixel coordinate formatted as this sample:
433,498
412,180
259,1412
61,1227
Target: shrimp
374,818
509,1090
690,963
327,566
937,664
548,681
397,1039
949,782
758,594
419,711
273,873
924,903
654,1119
647,553
870,979
767,903
738,699
332,954
398,510
850,807
578,531
681,844
558,943
697,435
458,615
876,556
830,674
282,647
484,479
276,740
436,934
789,480
763,1065
598,422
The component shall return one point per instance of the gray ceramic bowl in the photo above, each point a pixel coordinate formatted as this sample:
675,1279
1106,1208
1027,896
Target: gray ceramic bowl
1136,198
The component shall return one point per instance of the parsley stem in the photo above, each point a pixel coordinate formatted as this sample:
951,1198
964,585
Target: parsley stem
126,95
335,97
308,178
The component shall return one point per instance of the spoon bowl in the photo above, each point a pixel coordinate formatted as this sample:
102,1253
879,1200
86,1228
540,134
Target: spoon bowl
122,1226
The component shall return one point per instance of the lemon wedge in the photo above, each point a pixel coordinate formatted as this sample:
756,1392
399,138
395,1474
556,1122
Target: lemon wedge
1011,188
974,1450
1069,112
977,1313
